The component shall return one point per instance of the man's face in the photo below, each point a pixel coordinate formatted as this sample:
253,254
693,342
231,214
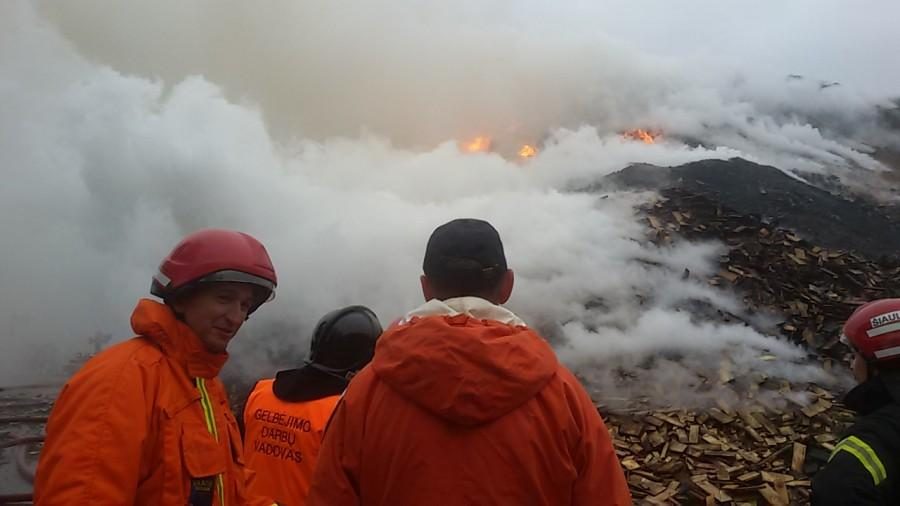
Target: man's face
215,312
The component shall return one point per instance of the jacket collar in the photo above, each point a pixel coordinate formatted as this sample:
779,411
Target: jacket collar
306,384
874,393
474,307
157,322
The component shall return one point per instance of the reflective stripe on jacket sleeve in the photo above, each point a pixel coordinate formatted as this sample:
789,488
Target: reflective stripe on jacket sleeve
866,456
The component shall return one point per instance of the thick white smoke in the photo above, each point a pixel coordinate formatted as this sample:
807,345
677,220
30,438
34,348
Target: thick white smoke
331,136
420,74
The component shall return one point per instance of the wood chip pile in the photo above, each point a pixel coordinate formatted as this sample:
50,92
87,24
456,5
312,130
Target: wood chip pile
753,456
814,288
727,457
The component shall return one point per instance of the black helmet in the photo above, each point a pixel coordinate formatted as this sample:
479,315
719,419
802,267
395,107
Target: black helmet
342,344
344,340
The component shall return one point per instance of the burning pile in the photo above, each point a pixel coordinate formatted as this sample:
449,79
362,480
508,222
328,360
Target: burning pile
527,150
723,455
478,144
645,136
485,144
752,455
815,288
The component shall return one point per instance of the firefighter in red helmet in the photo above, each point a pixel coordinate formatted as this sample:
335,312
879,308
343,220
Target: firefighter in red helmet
864,466
147,421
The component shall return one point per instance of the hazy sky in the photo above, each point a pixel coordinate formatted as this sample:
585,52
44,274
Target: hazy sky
421,73
850,42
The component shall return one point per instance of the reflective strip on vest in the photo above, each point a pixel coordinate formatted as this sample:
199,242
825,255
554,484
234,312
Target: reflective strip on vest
209,416
866,456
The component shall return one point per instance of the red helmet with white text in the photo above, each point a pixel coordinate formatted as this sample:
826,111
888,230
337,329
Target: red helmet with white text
873,330
216,255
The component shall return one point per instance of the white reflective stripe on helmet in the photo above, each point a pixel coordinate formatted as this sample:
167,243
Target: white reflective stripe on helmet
877,331
887,352
161,278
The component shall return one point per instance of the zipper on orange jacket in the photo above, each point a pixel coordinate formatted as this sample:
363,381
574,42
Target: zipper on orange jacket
209,416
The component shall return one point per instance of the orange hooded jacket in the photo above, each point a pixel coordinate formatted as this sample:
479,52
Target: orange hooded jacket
464,405
142,419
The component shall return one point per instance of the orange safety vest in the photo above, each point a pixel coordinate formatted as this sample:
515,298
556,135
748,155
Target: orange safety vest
281,442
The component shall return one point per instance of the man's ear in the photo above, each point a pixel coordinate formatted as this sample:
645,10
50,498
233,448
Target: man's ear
177,303
505,287
427,289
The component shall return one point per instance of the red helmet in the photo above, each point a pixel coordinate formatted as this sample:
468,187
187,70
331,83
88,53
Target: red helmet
216,255
873,330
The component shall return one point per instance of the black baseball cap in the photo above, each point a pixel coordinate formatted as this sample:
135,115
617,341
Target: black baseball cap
464,247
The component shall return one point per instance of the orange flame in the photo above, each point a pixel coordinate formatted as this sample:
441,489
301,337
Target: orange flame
639,134
480,144
527,151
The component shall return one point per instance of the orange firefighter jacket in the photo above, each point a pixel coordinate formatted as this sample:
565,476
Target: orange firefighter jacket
282,441
464,405
145,422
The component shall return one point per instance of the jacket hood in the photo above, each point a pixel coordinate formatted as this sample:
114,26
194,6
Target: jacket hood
157,322
465,360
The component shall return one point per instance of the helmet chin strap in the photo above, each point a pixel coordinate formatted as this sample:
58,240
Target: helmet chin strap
178,314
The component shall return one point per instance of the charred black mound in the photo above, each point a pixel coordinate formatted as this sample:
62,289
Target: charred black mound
777,199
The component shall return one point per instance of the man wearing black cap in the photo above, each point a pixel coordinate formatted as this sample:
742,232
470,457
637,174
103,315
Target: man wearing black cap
285,418
464,404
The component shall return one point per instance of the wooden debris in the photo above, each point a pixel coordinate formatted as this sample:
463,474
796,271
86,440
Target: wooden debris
630,464
798,458
751,476
667,494
819,407
814,287
710,489
724,456
694,435
752,456
775,497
